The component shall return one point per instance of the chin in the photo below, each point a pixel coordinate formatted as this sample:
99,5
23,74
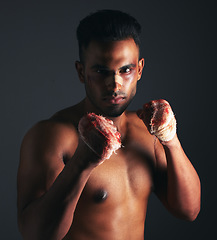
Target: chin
114,111
111,111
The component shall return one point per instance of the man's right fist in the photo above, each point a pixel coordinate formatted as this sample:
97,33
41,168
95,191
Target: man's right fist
100,135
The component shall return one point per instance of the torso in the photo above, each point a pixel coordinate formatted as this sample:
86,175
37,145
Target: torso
114,201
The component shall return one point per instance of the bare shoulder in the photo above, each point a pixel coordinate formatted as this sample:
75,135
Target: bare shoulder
52,138
49,137
43,151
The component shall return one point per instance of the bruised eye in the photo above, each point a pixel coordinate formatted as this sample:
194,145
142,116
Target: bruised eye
125,70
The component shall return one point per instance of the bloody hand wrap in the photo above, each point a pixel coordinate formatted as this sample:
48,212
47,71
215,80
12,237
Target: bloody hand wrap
159,119
99,134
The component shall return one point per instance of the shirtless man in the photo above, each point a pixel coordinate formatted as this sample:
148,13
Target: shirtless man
65,190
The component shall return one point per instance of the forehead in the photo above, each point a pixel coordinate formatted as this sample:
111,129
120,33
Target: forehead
115,52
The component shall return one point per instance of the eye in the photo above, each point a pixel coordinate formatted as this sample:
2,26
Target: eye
102,71
126,70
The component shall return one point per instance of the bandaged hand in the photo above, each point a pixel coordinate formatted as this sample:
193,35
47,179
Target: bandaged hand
159,119
100,135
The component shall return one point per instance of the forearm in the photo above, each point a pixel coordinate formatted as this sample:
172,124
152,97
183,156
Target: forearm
183,184
50,216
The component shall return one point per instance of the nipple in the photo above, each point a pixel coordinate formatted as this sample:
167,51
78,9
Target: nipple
100,196
65,159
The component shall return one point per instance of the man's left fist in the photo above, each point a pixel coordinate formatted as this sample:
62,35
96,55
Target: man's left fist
159,119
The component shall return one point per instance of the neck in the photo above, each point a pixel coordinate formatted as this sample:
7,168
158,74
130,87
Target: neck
119,122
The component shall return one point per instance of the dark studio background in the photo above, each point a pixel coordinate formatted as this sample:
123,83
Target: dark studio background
38,49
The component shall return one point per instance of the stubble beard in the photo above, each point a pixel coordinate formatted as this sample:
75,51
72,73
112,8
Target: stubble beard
114,110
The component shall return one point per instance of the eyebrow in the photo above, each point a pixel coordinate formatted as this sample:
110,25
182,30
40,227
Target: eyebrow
96,66
128,66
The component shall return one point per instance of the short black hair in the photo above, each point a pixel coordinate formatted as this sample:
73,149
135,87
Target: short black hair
107,25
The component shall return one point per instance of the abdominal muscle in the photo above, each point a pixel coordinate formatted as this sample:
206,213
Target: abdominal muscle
122,222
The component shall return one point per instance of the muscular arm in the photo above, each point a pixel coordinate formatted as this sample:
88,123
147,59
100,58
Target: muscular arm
48,190
178,185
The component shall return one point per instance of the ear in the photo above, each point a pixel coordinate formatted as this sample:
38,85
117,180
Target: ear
80,70
140,67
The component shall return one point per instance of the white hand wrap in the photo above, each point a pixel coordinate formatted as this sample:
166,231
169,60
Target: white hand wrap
100,135
166,131
159,119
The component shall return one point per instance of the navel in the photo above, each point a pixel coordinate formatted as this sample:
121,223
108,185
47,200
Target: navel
100,196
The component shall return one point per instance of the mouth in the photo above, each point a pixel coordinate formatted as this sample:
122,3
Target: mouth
114,100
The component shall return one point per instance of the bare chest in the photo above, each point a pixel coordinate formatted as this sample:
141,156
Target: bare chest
126,175
114,200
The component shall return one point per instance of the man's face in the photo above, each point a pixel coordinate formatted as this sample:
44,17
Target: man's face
110,73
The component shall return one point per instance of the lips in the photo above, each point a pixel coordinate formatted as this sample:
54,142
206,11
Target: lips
114,100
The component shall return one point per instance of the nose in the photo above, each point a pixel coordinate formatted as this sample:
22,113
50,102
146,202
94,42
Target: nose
114,82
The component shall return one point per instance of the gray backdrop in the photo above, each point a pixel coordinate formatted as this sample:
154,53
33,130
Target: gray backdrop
38,49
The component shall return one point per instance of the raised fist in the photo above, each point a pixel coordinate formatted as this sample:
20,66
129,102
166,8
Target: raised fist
159,119
100,135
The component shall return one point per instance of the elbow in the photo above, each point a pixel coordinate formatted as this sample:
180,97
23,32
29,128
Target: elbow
192,214
26,231
187,209
189,214
29,229
192,209
21,226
